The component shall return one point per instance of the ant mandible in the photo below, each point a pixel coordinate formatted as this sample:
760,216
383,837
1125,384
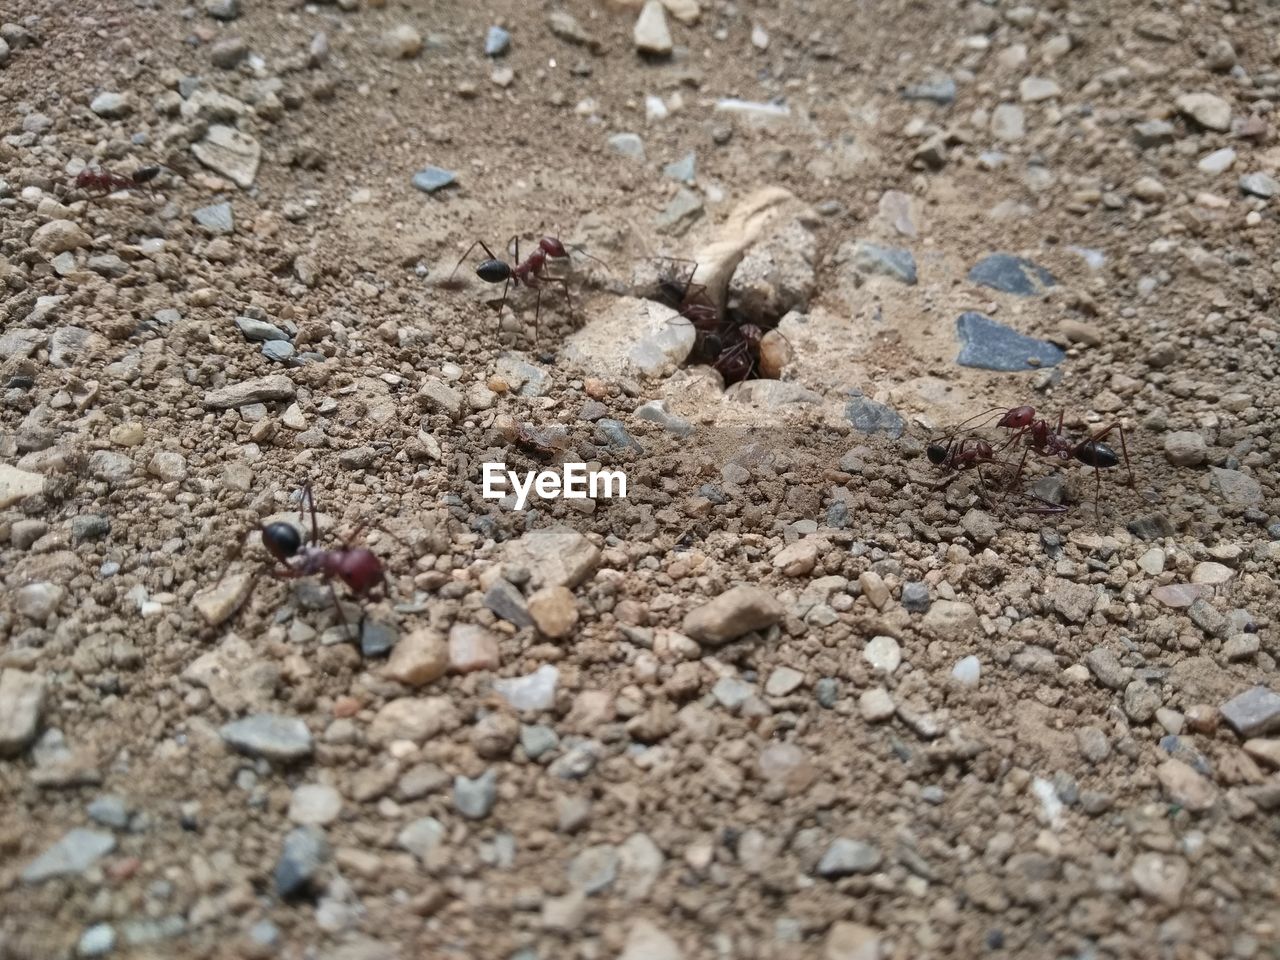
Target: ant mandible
531,271
357,567
102,181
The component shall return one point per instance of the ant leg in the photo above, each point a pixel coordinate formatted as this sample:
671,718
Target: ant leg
478,243
1097,497
337,605
308,498
505,287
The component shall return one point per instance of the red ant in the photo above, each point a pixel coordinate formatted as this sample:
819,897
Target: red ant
357,567
1037,436
967,453
530,271
103,181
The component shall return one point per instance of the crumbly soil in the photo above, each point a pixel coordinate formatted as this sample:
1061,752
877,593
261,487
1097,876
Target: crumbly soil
1082,799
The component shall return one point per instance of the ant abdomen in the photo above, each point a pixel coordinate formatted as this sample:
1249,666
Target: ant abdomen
282,540
493,271
1093,453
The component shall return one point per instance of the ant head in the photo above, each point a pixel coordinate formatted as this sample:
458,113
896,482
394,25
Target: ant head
552,247
493,271
1017,417
282,540
360,570
936,453
751,333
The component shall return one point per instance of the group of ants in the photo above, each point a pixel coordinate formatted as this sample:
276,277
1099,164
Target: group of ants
731,345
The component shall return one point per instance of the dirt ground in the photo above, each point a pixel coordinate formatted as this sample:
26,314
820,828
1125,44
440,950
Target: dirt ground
800,693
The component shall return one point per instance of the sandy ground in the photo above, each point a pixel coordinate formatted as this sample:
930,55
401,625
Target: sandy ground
795,694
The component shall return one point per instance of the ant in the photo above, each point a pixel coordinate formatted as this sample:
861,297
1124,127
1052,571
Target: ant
1038,436
530,271
960,454
357,567
102,181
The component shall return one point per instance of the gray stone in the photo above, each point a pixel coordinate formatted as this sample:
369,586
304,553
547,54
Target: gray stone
496,42
112,106
989,345
614,434
281,351
216,218
304,853
939,90
506,600
1259,185
732,692
827,692
421,837
1206,109
1254,713
263,389
259,330
894,262
655,411
677,216
314,804
846,857
229,53
1010,274
651,33
431,179
532,692
594,869
269,735
222,9
76,852
110,811
1141,701
233,154
1008,122
628,145
1185,448
474,798
97,941
872,417
536,740
88,527
915,596
22,697
377,639
1238,489
1153,133
683,170
1104,665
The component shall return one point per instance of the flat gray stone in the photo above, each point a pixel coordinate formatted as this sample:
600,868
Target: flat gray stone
431,179
1010,274
628,145
939,90
233,154
894,262
988,345
216,218
846,857
275,387
22,696
869,416
1259,185
1254,713
269,735
75,853
496,42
